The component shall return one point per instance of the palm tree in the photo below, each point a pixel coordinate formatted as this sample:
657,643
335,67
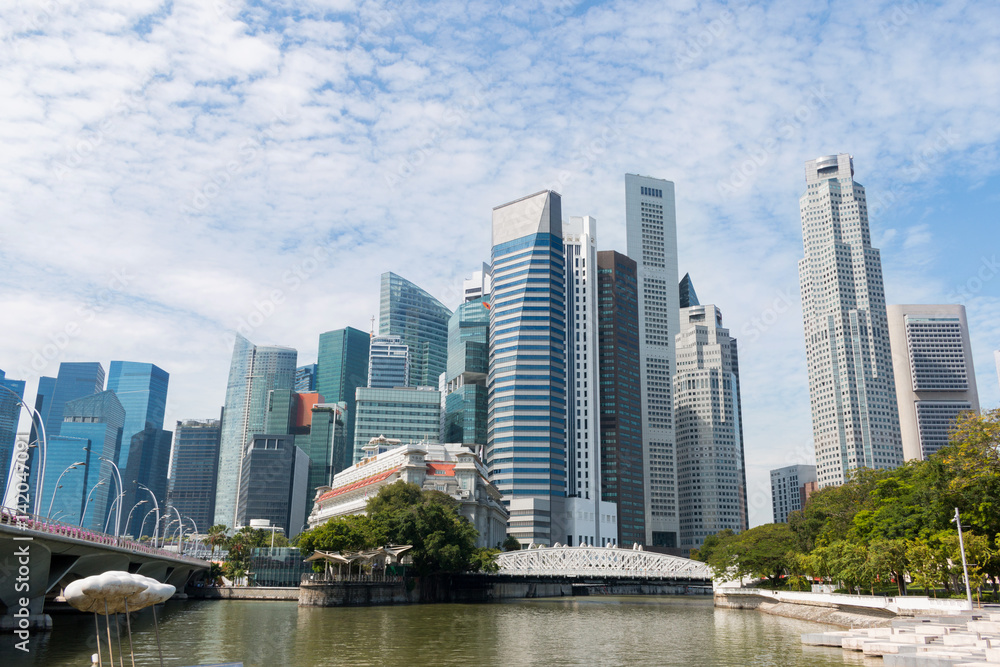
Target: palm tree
217,536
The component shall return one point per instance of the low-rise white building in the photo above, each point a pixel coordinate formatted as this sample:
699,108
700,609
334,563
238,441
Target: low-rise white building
451,468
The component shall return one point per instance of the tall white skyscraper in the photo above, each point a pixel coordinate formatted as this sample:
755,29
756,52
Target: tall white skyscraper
253,373
588,519
711,477
935,378
851,387
651,230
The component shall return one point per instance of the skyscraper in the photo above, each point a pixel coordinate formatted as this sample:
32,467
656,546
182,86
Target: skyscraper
620,395
651,230
526,450
422,321
409,414
935,378
145,452
478,286
711,470
275,476
10,412
788,490
688,297
305,378
851,387
341,368
468,365
194,467
253,373
388,363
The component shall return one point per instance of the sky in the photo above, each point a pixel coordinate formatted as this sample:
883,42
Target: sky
177,171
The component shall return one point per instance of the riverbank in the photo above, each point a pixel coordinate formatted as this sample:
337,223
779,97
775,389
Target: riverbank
283,593
846,611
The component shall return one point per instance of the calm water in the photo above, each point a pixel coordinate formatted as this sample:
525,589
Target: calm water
561,631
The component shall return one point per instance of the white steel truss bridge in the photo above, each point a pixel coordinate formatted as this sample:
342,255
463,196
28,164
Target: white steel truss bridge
600,562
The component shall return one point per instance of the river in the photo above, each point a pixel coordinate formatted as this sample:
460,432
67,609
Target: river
557,631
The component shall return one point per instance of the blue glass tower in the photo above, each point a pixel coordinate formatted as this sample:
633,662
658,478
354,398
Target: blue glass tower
526,450
468,366
342,367
10,412
421,321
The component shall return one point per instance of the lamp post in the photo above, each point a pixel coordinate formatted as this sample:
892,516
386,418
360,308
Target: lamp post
128,521
121,492
143,524
113,503
195,531
72,466
180,539
965,568
86,504
156,504
42,449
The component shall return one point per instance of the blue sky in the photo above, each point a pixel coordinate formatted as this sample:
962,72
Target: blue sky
173,170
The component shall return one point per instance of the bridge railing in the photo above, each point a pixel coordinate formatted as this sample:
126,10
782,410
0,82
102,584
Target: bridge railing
40,524
601,562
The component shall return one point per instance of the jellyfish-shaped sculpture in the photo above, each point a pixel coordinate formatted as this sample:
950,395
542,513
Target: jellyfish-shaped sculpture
117,592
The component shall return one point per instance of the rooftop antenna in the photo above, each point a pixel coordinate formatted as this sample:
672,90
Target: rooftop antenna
371,332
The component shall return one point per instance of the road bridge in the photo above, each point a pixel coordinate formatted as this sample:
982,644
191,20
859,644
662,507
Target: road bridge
38,558
602,563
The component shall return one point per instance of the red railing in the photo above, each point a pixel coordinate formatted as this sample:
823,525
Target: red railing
26,521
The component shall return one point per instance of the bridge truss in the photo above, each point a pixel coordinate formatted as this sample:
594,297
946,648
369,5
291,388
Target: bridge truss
603,562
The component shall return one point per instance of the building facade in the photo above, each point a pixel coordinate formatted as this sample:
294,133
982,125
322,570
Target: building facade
253,373
194,467
409,312
450,468
651,230
620,394
790,486
465,391
305,378
275,483
341,368
711,469
388,363
145,451
11,392
527,408
410,414
851,386
477,288
935,377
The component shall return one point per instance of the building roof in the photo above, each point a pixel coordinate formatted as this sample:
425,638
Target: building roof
361,483
447,469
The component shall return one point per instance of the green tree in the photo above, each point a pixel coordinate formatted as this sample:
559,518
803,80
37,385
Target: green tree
353,532
216,536
887,559
765,552
484,560
511,543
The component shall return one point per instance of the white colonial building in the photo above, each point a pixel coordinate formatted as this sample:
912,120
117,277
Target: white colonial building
451,468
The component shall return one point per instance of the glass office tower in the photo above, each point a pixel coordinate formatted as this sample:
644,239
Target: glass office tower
194,469
526,438
388,363
341,368
421,321
10,412
468,365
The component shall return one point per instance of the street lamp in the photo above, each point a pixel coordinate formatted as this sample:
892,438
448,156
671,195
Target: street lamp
128,521
43,448
72,466
84,515
156,526
114,502
121,492
965,568
180,522
143,524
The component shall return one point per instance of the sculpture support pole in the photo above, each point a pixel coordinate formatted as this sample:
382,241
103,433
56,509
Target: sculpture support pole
97,626
156,628
131,648
107,624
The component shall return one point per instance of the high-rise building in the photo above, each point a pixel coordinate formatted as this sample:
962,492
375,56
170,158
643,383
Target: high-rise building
341,368
145,451
526,436
409,414
935,378
421,321
468,365
11,392
651,230
851,387
589,518
388,363
194,470
711,469
478,286
327,446
789,490
305,378
91,428
688,297
274,483
253,373
620,395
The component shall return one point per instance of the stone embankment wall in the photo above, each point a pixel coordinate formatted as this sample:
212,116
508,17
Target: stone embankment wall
848,611
355,594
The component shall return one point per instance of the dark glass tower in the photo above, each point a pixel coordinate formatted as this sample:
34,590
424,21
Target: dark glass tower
468,365
526,449
10,412
421,321
620,395
195,469
688,297
342,367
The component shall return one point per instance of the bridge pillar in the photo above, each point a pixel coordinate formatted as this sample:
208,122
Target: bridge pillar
24,580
